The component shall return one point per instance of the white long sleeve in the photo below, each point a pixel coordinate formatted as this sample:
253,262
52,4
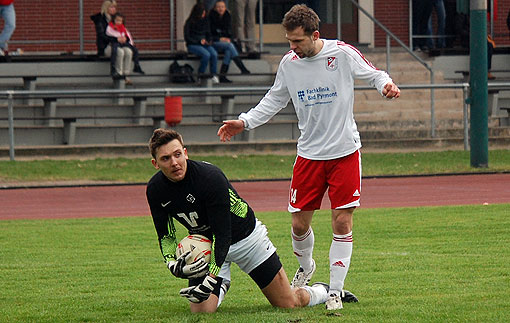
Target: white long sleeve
322,92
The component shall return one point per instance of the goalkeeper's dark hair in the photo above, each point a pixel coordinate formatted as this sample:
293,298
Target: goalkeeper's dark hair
161,137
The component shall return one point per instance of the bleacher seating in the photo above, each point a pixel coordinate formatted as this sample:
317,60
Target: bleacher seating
124,120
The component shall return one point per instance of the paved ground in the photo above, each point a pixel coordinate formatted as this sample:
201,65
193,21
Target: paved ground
129,200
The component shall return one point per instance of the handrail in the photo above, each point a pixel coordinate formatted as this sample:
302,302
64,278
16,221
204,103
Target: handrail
392,35
421,61
180,91
220,91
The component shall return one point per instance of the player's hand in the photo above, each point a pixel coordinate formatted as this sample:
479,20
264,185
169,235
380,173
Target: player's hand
180,269
200,293
391,91
230,128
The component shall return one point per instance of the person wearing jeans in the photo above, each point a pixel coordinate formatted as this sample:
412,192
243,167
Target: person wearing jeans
221,31
438,5
197,35
208,55
9,15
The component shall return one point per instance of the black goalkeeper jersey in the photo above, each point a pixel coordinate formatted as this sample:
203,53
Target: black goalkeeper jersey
205,203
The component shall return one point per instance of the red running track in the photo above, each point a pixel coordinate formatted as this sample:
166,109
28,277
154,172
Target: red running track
129,200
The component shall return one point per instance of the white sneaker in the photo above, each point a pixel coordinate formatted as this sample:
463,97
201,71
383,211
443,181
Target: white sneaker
301,278
334,302
215,79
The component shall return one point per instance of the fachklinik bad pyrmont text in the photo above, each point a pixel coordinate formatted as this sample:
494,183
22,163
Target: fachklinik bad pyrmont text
316,94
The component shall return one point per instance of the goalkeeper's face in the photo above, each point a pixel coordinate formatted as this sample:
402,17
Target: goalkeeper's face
171,159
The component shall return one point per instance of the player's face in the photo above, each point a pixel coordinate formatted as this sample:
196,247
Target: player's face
303,45
171,159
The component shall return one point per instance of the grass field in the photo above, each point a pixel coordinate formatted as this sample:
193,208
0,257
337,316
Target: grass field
242,167
433,264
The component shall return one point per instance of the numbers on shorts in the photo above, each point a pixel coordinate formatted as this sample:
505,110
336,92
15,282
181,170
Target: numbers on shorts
293,194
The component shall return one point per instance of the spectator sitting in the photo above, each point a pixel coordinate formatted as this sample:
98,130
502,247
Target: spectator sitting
197,35
120,57
118,30
221,30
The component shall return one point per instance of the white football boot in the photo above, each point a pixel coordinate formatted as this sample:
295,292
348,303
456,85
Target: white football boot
301,278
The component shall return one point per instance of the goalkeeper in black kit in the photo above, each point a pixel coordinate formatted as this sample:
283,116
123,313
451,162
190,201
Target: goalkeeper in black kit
199,196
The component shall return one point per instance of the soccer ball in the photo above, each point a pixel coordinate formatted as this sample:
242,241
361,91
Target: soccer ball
199,245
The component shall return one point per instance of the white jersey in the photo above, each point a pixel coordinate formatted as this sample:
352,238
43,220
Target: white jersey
322,92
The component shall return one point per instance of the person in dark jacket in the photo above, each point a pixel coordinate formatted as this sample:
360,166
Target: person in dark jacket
101,20
199,196
197,35
221,31
120,58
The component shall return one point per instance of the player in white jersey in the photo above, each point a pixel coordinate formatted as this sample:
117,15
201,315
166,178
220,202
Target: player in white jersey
318,75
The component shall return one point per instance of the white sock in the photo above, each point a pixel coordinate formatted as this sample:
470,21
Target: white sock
339,260
303,248
318,294
221,297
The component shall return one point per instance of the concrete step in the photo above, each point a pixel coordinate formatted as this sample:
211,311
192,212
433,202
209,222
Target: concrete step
237,147
206,132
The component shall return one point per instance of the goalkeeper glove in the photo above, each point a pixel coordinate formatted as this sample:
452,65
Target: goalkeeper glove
200,293
180,269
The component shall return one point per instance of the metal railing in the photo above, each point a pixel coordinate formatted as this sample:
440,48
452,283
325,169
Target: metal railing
223,91
389,35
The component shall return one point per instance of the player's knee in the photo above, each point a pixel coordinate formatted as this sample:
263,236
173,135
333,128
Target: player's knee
297,298
299,227
202,308
289,302
206,310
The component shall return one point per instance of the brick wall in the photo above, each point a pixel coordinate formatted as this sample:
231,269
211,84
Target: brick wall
394,15
58,21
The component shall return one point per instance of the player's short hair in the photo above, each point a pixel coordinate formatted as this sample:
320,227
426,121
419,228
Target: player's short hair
161,137
301,16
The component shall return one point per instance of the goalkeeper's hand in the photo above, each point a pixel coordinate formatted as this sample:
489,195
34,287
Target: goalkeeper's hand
180,269
200,293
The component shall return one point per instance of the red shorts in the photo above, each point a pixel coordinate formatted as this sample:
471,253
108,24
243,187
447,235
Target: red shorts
311,178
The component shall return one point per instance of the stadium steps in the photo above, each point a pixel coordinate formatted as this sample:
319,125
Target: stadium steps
383,124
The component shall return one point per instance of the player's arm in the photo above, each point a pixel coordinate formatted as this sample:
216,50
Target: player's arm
363,69
230,128
218,209
275,99
166,232
391,91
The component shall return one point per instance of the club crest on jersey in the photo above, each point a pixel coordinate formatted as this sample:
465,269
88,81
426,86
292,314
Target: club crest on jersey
331,63
190,198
